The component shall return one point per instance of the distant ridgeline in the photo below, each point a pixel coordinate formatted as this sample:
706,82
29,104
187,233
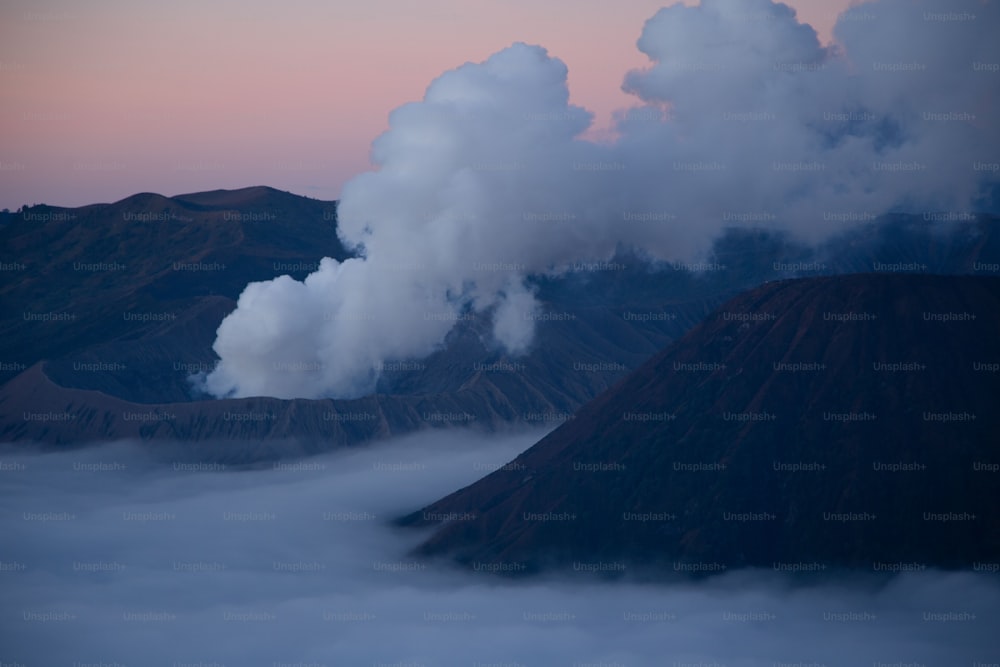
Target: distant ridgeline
112,307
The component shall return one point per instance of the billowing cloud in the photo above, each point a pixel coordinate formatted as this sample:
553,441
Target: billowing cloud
129,555
743,119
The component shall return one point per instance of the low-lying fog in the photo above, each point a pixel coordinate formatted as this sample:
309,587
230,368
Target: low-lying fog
111,556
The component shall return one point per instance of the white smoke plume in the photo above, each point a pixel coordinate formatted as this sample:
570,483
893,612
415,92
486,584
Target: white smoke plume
743,119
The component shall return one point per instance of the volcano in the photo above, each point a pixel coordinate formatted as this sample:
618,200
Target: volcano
807,424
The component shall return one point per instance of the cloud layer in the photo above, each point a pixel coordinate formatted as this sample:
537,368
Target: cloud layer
131,556
743,119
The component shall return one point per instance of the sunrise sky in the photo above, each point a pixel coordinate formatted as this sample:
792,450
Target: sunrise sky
104,99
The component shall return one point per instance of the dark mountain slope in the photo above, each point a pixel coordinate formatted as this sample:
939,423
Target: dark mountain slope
98,273
841,421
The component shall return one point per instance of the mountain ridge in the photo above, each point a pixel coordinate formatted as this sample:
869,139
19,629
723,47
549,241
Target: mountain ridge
144,296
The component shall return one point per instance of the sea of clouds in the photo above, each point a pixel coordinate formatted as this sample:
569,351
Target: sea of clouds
138,555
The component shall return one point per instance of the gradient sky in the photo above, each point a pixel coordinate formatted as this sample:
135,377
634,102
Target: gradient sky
104,99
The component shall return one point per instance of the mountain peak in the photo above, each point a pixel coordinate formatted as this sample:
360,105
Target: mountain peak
256,195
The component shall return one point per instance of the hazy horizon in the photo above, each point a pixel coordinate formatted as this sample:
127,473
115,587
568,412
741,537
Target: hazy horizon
110,99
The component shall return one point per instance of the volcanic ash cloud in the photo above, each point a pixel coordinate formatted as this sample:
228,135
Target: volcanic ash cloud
743,119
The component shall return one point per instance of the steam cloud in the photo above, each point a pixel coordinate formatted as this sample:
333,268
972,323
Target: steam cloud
744,119
112,556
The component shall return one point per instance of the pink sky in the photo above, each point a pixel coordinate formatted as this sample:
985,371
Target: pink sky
103,99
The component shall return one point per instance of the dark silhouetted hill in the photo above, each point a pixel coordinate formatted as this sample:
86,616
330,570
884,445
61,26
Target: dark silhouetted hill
829,422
